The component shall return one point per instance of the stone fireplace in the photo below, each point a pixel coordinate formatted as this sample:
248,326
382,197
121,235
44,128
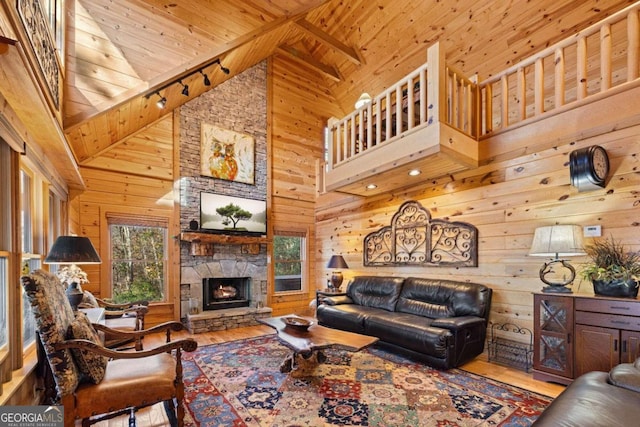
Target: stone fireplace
239,105
215,314
219,293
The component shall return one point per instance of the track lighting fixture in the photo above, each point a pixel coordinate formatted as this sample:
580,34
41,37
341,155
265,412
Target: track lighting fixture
207,82
161,102
185,88
224,69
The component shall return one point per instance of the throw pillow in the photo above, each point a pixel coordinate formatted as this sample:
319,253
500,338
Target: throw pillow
92,365
53,316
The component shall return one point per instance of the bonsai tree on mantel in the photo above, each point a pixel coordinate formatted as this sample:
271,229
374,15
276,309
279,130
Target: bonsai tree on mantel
612,270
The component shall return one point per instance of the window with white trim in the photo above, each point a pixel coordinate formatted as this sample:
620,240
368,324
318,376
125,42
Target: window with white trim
290,261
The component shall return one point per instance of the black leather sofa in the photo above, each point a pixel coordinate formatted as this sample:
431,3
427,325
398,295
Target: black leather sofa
597,399
442,322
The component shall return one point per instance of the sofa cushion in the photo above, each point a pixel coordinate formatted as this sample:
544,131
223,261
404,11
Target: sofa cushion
625,375
348,317
375,291
437,298
591,401
409,331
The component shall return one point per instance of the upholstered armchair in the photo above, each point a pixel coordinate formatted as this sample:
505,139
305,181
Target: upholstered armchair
93,382
128,317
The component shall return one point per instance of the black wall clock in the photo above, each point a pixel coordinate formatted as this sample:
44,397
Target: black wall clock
589,168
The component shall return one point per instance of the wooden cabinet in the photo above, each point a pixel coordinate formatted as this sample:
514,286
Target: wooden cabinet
607,333
575,334
553,338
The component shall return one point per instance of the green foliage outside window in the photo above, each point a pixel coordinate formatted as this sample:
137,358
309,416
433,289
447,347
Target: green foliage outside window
286,251
138,263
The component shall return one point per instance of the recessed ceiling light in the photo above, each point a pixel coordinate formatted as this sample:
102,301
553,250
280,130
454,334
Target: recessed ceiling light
371,187
415,172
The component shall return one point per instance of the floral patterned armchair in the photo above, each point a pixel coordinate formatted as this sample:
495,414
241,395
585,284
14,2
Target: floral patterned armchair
93,382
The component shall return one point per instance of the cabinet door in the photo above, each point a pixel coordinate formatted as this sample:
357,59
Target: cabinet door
553,331
597,349
630,346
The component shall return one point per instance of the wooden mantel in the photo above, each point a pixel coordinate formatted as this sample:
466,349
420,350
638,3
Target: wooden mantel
203,243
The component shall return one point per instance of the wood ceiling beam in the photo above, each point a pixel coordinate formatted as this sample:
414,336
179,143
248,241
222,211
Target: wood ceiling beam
189,68
306,59
335,44
5,42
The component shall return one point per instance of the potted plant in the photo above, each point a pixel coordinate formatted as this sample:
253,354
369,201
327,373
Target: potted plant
612,270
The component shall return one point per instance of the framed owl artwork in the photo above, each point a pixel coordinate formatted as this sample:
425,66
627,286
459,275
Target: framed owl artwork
226,154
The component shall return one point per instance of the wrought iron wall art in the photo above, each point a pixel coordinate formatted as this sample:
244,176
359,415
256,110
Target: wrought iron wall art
413,238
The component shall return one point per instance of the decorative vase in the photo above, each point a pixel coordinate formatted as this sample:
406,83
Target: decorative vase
616,288
74,295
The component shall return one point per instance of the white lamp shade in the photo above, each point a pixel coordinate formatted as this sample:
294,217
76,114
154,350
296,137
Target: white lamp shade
557,241
365,98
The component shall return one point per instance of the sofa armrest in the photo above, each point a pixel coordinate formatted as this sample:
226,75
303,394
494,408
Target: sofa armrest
457,323
337,300
625,375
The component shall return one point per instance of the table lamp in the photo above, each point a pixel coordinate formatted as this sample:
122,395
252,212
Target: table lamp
557,241
73,250
337,261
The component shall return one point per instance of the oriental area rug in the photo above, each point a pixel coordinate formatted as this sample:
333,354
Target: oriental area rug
239,383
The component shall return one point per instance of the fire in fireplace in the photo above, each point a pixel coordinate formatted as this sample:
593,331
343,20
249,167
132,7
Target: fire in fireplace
225,292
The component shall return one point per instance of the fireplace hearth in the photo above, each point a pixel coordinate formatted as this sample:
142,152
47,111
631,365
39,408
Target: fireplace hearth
220,293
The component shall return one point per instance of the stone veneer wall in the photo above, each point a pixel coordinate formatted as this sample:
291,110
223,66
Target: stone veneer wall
240,105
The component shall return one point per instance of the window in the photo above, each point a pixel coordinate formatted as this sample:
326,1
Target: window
289,252
138,259
30,261
28,321
4,280
26,191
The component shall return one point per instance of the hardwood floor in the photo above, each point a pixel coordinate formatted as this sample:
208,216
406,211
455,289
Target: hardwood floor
155,416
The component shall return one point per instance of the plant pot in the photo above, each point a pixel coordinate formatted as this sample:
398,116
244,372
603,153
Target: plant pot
616,288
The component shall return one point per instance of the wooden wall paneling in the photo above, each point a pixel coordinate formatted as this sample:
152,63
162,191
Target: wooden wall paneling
296,142
523,192
125,190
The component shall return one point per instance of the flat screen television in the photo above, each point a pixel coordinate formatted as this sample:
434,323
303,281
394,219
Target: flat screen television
232,215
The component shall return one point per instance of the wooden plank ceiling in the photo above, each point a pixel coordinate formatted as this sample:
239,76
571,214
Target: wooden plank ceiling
121,52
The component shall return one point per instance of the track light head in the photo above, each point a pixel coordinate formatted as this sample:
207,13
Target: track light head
162,102
222,68
206,81
185,88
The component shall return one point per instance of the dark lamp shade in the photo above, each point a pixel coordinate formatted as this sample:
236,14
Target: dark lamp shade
337,261
72,250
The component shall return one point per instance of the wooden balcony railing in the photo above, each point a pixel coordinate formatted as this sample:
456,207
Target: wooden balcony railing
576,70
433,92
593,64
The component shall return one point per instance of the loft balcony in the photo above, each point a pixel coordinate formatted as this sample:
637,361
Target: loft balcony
435,119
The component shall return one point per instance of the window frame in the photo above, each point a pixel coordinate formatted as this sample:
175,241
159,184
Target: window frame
113,218
304,260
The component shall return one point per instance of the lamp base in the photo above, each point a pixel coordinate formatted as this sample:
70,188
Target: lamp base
74,295
336,280
558,289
